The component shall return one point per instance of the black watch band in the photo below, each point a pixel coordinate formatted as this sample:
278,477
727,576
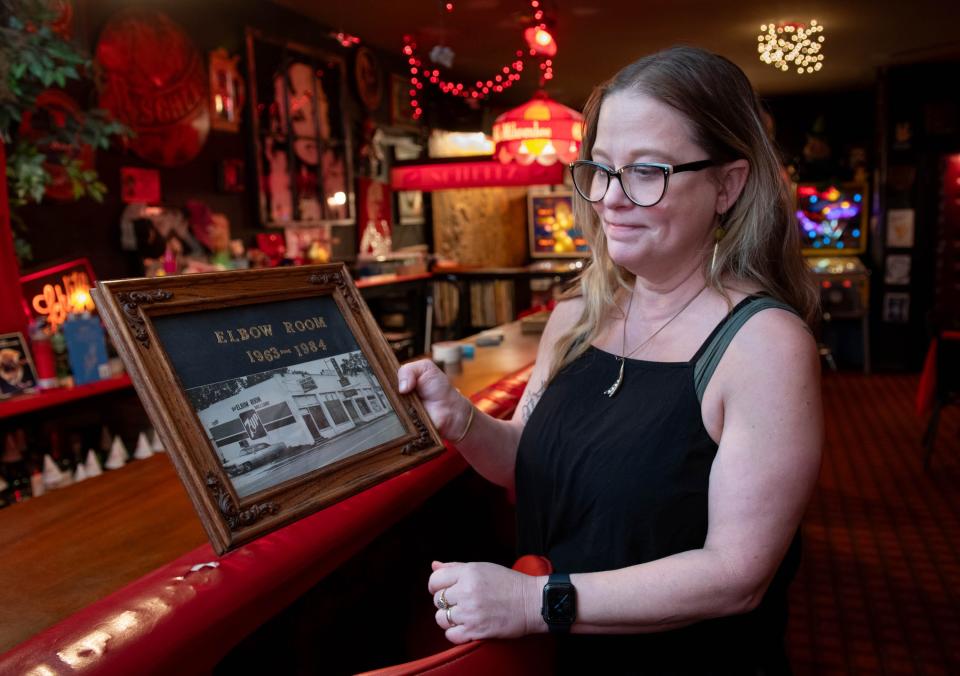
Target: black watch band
559,609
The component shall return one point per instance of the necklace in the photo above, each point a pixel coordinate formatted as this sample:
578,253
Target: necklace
612,390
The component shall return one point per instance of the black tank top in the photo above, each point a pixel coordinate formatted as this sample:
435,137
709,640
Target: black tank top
604,483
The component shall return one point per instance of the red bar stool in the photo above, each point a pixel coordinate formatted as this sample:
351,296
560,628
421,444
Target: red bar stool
939,386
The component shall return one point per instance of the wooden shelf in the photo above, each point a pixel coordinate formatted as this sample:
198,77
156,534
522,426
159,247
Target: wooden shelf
26,403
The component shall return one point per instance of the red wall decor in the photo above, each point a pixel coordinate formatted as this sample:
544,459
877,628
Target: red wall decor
375,230
52,109
139,186
490,173
155,82
12,317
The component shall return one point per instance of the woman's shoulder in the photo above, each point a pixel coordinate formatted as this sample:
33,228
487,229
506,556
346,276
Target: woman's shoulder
775,336
564,316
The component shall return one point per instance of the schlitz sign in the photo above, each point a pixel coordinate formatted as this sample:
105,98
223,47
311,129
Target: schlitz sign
490,173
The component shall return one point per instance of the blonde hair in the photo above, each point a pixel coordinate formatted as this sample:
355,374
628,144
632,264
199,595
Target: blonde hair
761,244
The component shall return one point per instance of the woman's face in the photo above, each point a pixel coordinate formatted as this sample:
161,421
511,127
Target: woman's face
657,240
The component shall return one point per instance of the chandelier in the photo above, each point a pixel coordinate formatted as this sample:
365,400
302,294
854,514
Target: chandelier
787,45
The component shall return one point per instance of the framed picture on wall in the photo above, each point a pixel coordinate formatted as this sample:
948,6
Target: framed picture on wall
226,91
410,207
401,112
17,372
301,133
273,389
552,231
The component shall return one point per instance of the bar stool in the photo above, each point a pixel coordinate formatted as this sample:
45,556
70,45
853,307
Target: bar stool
939,386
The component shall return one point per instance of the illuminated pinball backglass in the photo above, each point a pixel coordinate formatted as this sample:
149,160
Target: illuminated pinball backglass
831,218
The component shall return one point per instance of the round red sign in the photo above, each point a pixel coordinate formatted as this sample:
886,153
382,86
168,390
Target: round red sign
153,80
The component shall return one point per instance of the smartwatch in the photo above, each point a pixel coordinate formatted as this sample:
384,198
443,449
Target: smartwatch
559,609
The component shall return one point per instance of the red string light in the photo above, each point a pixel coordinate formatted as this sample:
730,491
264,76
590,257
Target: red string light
506,76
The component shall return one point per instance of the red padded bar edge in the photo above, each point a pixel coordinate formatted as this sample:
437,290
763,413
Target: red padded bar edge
183,620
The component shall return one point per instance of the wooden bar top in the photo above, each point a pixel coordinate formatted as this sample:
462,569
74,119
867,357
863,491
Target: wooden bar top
75,545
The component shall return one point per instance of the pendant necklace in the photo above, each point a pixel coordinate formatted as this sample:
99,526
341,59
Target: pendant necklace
613,389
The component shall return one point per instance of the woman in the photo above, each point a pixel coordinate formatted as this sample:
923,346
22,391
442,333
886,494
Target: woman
669,438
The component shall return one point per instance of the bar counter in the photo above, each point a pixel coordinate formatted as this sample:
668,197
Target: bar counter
66,552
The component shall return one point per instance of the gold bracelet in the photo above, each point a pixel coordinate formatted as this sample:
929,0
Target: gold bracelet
473,409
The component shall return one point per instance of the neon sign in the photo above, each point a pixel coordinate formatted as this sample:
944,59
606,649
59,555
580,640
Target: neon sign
58,292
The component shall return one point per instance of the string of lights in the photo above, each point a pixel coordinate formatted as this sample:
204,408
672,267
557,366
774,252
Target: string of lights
540,44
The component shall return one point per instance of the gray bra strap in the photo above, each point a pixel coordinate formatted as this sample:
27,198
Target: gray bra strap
713,353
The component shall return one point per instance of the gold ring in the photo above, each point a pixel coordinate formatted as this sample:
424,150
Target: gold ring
442,601
449,618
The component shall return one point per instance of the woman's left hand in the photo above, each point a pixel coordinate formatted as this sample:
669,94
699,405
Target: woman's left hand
485,600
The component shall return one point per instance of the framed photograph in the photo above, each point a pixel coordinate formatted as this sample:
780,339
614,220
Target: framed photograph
900,228
273,389
410,207
897,270
896,307
301,124
17,372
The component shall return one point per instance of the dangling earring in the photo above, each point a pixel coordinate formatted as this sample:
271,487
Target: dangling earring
717,236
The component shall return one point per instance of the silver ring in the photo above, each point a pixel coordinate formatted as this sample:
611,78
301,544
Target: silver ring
442,601
449,618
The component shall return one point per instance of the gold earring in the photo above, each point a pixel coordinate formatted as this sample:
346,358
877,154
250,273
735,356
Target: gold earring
717,236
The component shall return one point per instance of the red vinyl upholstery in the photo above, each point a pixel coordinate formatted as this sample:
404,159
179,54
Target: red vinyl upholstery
185,616
520,657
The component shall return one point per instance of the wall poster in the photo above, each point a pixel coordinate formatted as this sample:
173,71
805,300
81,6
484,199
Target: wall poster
300,133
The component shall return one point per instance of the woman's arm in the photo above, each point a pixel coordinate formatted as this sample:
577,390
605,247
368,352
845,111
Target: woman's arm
760,482
490,445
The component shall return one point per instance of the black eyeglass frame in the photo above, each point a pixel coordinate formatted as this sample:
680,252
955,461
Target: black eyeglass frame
667,169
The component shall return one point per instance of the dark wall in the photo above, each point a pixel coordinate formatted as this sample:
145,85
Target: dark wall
64,230
846,119
919,127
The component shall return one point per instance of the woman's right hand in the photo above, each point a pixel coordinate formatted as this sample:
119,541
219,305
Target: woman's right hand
447,408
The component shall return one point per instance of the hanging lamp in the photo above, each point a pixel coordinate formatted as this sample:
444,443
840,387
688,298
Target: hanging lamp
541,130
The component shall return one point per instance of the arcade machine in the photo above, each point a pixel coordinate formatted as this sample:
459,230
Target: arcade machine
833,227
556,244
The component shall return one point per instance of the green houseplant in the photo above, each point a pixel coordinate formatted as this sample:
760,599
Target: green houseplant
34,57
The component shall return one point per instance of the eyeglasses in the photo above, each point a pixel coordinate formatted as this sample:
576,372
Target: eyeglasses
644,183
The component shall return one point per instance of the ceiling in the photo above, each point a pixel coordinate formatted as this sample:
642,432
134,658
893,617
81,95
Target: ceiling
596,38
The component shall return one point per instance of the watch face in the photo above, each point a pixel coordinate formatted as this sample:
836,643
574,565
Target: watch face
560,603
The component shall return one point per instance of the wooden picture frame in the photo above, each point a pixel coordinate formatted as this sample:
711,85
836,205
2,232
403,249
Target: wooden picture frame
273,390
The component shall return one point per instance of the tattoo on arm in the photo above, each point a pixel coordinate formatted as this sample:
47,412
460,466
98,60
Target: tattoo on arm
531,402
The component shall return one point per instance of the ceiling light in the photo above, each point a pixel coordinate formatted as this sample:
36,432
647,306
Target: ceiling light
791,46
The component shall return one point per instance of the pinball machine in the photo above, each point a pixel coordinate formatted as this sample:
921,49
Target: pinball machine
832,219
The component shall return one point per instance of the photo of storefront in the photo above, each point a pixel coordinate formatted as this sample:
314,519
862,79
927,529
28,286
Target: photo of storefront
269,419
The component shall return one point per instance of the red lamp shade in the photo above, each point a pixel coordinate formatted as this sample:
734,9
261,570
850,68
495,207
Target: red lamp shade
540,130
